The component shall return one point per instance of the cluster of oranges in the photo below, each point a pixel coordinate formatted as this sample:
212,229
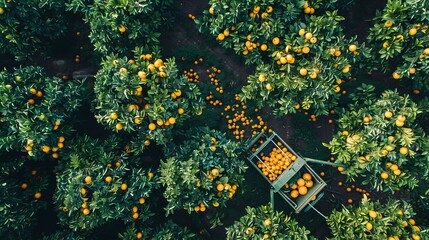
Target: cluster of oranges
394,168
308,9
36,93
192,76
191,16
278,160
239,121
212,101
226,188
301,186
249,45
255,13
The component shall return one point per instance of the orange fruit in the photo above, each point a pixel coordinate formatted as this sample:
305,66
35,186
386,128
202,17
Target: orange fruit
124,186
303,71
302,190
139,235
306,176
388,114
220,187
412,32
114,116
108,179
86,211
300,182
24,186
276,40
172,120
221,36
215,172
372,213
368,226
412,221
37,195
152,126
135,215
88,179
396,75
267,222
403,150
308,36
384,175
119,126
294,193
352,48
309,184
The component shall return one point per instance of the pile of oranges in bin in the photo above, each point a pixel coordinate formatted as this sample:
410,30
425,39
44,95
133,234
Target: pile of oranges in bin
301,186
278,160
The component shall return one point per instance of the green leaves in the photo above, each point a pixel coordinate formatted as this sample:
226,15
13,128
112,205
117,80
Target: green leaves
373,220
372,137
195,169
146,96
120,189
264,223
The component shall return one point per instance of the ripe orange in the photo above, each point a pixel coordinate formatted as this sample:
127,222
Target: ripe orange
108,179
139,235
294,193
152,126
309,184
403,150
220,187
302,190
88,179
172,120
412,221
372,213
388,114
267,222
301,32
396,75
412,31
384,175
308,36
24,186
352,48
119,126
264,47
368,226
37,195
221,36
399,123
86,211
303,71
114,116
262,78
388,23
124,186
276,40
300,182
122,28
215,172
135,215
142,200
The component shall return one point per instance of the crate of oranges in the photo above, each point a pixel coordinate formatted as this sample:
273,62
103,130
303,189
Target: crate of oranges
303,188
287,172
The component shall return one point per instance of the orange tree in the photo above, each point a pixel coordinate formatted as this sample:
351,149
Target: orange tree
265,223
201,173
98,183
166,231
399,41
33,110
22,196
144,96
29,26
301,60
379,140
119,26
374,220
